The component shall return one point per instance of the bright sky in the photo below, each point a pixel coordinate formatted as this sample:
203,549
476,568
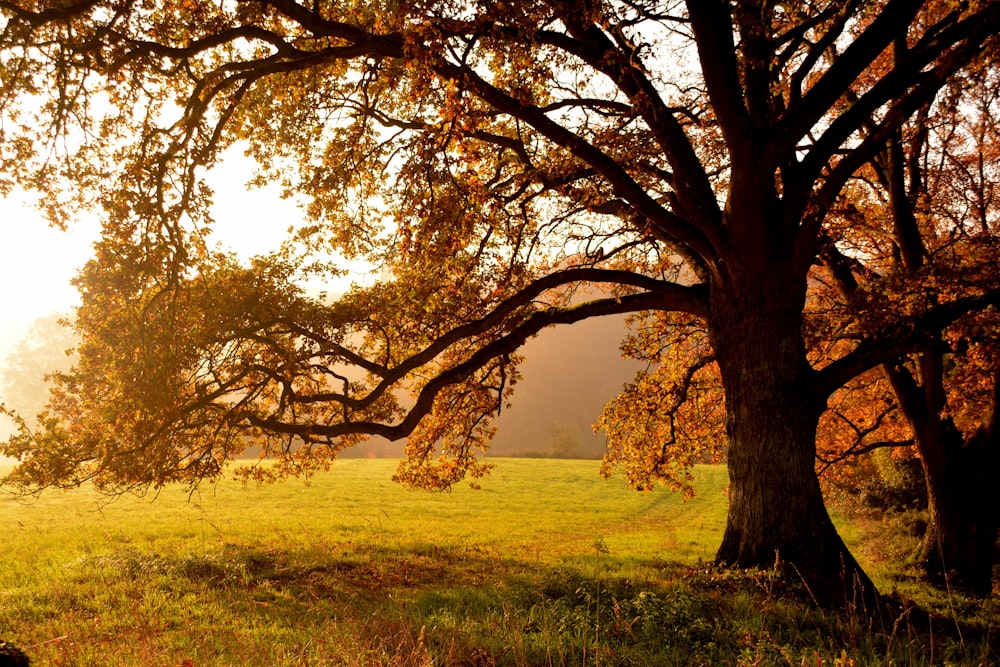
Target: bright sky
37,262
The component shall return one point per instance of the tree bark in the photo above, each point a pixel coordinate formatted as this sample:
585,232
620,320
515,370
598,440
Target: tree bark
960,545
963,498
777,516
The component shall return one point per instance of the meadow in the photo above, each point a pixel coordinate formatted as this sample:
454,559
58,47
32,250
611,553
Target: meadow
546,564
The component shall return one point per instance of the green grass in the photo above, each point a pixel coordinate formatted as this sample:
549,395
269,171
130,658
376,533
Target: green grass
546,564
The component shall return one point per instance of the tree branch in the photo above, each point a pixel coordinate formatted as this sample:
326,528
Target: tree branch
50,15
891,342
893,20
504,345
952,48
857,449
712,21
666,295
661,219
694,190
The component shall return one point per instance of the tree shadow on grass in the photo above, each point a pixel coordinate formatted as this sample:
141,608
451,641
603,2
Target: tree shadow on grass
477,602
468,605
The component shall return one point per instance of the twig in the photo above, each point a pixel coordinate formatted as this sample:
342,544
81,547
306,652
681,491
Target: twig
47,641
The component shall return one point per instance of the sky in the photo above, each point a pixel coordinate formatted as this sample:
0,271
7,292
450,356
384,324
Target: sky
37,262
36,265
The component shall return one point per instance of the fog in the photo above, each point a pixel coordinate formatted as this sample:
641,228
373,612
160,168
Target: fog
569,373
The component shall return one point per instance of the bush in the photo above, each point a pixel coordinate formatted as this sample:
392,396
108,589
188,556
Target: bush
897,485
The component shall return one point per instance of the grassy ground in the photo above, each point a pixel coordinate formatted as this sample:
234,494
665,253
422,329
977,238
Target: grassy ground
546,564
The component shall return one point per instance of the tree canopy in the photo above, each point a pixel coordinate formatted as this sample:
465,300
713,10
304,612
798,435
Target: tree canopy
715,166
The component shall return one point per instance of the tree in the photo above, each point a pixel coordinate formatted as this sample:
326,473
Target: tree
931,236
917,223
490,158
46,349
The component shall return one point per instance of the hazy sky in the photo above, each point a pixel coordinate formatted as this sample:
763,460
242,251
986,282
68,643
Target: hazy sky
37,262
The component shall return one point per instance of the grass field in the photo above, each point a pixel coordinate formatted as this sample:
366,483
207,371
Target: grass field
546,564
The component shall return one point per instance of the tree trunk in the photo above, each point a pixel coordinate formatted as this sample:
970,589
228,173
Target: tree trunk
776,513
963,502
963,498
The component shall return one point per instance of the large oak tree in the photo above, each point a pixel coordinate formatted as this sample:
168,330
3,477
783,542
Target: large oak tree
915,227
491,159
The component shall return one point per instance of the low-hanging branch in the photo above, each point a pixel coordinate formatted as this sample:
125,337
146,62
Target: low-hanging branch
500,347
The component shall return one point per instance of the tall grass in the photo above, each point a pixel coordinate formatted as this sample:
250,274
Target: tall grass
547,564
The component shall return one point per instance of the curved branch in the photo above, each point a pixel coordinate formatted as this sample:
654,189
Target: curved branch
248,32
891,342
49,15
321,27
505,345
663,294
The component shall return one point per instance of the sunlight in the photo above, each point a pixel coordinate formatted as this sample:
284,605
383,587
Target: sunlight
37,263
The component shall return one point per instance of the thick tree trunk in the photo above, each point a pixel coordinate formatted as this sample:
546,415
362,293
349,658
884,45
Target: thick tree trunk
776,514
964,503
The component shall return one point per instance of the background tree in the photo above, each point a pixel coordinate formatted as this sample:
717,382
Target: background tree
929,237
46,349
489,158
